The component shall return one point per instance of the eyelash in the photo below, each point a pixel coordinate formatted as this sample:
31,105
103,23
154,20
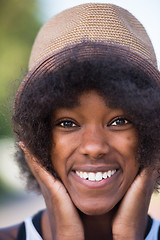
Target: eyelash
61,123
69,123
125,122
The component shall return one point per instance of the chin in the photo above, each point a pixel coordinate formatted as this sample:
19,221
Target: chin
95,210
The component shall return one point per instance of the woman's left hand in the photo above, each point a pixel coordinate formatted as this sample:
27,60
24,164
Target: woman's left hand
130,221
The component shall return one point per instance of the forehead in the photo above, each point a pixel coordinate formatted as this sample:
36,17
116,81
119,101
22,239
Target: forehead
89,103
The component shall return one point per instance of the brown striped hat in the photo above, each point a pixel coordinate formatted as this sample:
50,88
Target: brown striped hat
107,25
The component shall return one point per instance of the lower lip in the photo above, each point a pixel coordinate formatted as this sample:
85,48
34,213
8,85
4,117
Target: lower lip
95,184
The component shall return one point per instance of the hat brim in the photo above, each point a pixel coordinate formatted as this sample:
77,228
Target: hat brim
85,51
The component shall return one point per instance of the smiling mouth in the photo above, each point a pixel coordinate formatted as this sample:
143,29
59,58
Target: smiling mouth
95,177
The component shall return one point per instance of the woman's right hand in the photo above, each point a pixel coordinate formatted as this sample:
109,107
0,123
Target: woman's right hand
63,216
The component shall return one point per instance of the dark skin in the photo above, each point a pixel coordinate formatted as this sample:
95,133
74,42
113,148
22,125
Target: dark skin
77,208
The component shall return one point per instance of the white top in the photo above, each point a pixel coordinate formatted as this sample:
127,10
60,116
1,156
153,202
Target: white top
31,232
153,234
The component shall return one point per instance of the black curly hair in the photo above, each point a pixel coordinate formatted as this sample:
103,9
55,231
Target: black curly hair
122,83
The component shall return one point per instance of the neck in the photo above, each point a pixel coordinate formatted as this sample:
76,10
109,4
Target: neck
97,226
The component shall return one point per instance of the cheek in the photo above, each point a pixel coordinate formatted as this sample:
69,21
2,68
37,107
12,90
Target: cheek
126,144
128,148
62,148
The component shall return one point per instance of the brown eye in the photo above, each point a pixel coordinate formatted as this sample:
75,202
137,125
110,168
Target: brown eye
118,122
67,124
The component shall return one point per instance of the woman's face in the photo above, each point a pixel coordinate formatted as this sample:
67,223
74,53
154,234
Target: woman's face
94,153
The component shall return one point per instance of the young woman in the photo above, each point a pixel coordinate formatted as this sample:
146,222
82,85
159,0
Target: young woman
87,123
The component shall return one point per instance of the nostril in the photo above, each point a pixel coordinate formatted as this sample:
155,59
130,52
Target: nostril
100,155
94,150
94,156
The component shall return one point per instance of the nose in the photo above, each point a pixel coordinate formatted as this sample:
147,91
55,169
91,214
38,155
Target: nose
94,143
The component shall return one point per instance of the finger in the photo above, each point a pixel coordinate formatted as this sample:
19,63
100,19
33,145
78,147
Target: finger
131,216
146,180
138,196
44,177
33,162
30,159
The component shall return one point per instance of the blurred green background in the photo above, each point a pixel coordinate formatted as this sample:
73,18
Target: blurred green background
19,23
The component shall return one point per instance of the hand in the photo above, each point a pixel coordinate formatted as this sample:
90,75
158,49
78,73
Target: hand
130,221
63,216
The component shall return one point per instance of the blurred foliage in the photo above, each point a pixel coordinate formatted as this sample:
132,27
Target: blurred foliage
4,189
19,25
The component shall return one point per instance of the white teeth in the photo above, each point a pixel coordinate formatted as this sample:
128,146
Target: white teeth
105,175
91,176
85,175
98,176
78,173
81,174
109,173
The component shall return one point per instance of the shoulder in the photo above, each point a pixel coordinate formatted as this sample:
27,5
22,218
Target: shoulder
18,231
154,229
9,233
